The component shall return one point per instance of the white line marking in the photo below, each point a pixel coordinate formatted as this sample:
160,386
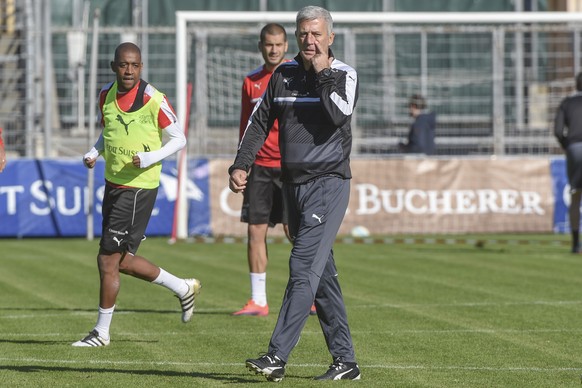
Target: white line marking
94,313
471,304
350,306
240,364
304,332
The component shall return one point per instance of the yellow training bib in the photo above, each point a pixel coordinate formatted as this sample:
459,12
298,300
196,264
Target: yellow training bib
127,133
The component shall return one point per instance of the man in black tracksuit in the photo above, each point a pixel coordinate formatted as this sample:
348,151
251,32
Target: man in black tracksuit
313,97
568,132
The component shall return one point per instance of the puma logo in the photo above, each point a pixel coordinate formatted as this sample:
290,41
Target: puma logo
146,148
118,241
258,86
120,119
318,218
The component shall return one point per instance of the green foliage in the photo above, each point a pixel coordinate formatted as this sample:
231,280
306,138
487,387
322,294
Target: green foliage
456,314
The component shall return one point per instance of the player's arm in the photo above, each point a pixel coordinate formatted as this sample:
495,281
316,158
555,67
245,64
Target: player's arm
337,89
254,136
246,107
338,92
256,131
176,141
238,178
560,125
90,158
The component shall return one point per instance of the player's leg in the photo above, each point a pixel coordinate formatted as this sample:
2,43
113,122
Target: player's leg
185,290
257,258
281,209
334,324
333,318
110,253
257,247
574,215
270,364
108,264
137,266
329,300
323,203
257,204
574,171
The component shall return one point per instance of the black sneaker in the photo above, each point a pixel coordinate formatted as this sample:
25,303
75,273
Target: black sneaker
269,365
341,370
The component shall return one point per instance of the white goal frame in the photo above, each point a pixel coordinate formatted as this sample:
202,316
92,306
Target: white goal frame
185,17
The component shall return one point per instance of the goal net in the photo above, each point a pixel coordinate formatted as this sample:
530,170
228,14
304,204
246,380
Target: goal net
493,79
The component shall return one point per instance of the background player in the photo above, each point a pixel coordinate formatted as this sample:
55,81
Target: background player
263,201
568,131
133,114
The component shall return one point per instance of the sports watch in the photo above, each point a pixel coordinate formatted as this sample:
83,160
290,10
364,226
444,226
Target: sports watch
325,72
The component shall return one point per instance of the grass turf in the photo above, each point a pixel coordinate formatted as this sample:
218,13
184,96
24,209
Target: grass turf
491,314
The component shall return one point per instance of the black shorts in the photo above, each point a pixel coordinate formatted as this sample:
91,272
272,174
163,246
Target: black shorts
126,213
574,165
263,199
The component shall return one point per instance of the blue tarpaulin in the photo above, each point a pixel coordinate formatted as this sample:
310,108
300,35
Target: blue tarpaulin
49,198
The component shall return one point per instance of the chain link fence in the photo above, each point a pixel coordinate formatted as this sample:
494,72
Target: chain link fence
494,87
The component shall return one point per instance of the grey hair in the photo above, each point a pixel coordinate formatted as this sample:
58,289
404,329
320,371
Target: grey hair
312,12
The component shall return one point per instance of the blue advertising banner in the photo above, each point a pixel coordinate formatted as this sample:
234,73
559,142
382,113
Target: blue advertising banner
49,198
561,190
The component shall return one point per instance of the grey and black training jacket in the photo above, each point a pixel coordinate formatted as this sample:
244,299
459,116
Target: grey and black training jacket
314,113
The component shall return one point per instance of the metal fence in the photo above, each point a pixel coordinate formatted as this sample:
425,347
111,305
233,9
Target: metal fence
494,87
17,112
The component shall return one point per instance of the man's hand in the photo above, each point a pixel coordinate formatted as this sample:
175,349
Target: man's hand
136,161
89,162
320,60
238,181
90,158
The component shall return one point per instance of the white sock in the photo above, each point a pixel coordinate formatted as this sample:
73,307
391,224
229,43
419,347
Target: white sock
171,282
104,321
259,288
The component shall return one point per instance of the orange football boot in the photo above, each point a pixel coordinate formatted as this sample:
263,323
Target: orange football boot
251,308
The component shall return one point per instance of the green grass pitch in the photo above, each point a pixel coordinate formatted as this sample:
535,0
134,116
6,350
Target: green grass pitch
450,314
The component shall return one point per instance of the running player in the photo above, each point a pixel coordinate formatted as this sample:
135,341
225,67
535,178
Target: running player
133,114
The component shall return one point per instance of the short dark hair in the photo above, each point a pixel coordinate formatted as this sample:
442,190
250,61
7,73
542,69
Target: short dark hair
418,101
126,46
579,82
273,29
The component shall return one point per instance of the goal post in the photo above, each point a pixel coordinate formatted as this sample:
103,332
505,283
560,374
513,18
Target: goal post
180,231
182,20
484,104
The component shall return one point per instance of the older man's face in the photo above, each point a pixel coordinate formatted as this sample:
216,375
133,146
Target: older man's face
310,31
